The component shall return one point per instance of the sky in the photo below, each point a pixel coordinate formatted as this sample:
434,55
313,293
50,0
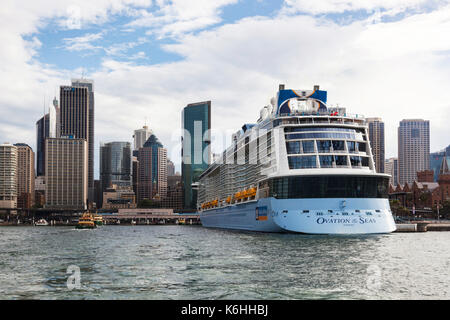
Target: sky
150,58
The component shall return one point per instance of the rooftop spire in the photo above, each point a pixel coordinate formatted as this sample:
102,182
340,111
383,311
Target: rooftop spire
444,167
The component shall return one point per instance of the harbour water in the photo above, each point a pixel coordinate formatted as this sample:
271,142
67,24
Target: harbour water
192,262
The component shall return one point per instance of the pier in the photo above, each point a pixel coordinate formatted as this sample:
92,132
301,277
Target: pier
422,226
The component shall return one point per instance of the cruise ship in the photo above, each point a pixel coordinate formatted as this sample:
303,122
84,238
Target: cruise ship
304,167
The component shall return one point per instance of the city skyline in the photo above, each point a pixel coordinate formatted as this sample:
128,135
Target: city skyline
382,60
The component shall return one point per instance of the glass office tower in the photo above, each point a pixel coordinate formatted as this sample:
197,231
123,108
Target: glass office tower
115,164
196,151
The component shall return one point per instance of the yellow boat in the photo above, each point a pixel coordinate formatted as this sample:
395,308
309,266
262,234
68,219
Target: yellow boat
86,222
98,220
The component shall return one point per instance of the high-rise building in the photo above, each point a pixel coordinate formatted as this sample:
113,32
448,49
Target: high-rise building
115,164
391,167
174,198
57,118
413,149
39,191
66,173
135,175
376,138
196,150
8,176
140,136
436,159
77,119
42,133
170,168
25,176
152,174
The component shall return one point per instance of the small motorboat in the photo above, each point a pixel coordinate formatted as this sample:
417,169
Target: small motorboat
41,222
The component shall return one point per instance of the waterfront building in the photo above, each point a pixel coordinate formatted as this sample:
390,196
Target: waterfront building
436,159
376,138
425,176
444,181
98,193
8,176
66,173
42,133
196,150
174,198
152,170
119,197
115,164
413,148
391,168
77,119
25,176
39,191
135,174
140,136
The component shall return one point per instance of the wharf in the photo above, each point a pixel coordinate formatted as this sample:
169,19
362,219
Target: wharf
422,227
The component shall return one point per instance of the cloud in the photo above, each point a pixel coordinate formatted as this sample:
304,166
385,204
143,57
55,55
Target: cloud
176,17
340,6
83,43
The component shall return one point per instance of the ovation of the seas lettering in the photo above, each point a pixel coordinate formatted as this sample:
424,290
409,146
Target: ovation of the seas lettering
360,220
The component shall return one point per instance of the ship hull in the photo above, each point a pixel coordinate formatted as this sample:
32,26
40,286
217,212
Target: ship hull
310,216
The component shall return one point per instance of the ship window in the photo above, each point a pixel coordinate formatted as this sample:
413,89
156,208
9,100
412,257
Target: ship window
361,146
329,135
329,186
293,147
302,129
365,161
324,146
308,146
338,145
326,161
355,161
341,161
351,145
302,162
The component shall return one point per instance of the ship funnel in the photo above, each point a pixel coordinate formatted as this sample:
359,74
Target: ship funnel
281,87
316,87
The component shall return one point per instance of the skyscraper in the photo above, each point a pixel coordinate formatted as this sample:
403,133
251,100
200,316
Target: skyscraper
413,148
196,151
376,137
25,176
115,164
8,176
135,175
391,167
140,136
42,133
66,173
89,84
152,168
170,168
57,120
